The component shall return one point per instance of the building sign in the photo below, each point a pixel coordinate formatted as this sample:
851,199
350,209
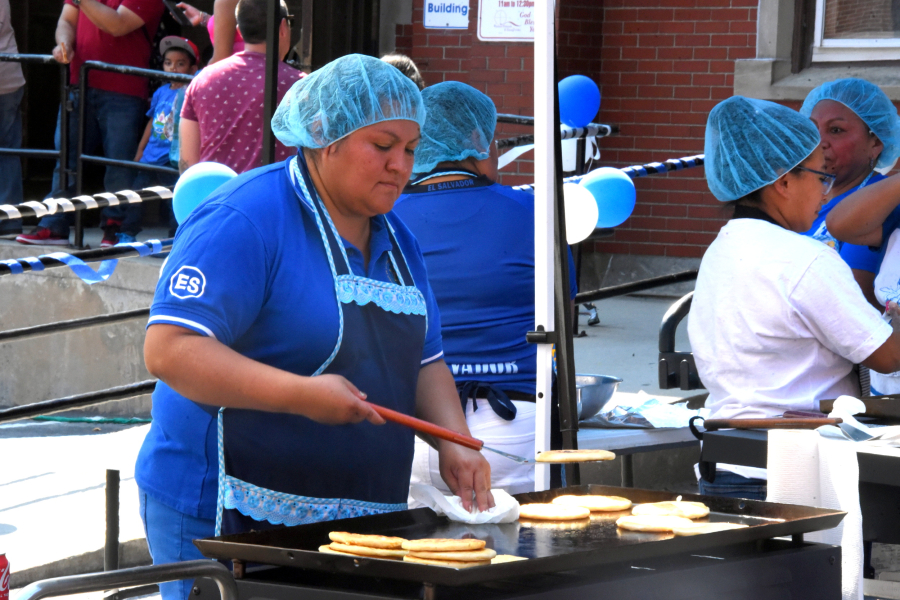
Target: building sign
446,14
505,20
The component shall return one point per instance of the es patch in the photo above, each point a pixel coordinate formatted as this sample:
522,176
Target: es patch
187,282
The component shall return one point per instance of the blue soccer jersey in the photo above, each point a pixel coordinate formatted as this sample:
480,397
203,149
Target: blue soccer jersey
248,267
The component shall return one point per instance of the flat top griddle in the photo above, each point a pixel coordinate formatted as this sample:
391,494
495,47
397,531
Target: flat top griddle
550,547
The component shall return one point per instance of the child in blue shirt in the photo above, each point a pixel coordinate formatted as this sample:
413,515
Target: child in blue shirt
179,56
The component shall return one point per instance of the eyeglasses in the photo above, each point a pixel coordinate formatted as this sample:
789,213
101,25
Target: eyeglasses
827,183
290,20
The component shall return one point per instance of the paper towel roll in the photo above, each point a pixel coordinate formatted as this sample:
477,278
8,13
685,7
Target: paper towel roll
805,468
793,466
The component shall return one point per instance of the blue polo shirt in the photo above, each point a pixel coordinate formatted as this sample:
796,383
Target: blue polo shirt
478,240
861,258
249,268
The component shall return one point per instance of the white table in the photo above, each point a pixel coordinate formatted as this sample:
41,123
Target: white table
628,442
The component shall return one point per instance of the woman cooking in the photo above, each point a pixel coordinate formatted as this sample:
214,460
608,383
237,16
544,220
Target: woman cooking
776,321
291,296
860,132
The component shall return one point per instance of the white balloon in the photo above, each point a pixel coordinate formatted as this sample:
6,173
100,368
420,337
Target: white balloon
581,212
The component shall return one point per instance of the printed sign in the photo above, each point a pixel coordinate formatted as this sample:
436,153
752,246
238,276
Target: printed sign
506,20
446,14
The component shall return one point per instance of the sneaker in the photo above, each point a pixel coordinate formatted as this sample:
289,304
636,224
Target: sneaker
110,234
42,236
126,238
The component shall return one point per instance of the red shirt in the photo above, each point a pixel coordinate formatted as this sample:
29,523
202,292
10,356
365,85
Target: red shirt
132,49
226,100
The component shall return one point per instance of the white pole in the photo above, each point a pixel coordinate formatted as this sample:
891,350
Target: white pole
544,169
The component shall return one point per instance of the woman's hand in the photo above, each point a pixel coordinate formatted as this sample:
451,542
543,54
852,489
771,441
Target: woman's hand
466,472
332,400
194,15
62,53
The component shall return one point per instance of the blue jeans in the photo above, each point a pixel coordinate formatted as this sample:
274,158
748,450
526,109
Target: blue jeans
170,536
11,166
113,124
731,485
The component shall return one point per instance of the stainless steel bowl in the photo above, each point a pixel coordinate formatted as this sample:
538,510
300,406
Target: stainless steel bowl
593,392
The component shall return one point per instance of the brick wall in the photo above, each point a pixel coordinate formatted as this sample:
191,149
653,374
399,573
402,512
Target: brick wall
661,66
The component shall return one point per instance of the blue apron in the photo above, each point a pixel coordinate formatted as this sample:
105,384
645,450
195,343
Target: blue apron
288,469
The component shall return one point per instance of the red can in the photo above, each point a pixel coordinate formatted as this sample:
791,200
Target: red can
4,578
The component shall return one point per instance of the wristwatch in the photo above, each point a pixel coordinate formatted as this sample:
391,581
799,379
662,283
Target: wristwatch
76,2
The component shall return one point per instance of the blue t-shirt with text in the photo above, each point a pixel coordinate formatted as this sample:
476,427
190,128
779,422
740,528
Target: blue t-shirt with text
248,268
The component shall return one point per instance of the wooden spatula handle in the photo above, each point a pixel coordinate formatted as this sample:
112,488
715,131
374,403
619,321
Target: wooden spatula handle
425,427
777,423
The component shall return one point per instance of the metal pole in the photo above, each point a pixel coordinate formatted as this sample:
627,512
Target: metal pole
565,352
65,107
26,332
48,407
635,286
79,165
544,167
273,57
111,548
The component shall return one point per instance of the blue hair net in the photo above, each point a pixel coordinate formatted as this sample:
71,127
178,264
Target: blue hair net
460,124
751,143
346,94
870,104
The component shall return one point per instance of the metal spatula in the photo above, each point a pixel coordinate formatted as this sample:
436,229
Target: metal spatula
441,432
857,435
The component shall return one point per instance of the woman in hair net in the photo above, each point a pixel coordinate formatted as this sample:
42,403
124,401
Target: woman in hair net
860,133
292,295
477,237
777,321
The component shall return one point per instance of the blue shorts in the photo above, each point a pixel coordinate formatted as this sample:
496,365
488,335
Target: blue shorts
170,536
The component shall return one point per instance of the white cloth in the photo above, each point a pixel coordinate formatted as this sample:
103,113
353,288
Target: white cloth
11,78
506,508
777,323
807,469
887,287
514,437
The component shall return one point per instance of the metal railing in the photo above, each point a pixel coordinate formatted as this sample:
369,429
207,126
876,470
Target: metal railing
60,155
66,107
81,158
97,582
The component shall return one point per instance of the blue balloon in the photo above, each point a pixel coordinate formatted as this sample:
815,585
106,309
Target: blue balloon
579,100
196,184
614,192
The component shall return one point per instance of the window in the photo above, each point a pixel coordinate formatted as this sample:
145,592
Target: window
801,44
856,30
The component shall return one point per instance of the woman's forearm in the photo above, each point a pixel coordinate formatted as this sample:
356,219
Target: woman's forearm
437,400
858,218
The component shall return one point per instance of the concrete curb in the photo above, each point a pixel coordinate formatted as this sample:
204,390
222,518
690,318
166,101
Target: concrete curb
133,553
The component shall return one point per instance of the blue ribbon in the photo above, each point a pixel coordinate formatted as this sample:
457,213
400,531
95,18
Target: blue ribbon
81,268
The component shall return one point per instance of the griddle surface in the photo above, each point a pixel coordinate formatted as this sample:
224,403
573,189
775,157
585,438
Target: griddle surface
550,547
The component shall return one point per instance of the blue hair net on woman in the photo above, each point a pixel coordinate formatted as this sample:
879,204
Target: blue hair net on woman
346,94
870,104
460,124
751,143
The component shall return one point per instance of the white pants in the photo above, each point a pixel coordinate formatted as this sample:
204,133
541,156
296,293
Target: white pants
515,437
